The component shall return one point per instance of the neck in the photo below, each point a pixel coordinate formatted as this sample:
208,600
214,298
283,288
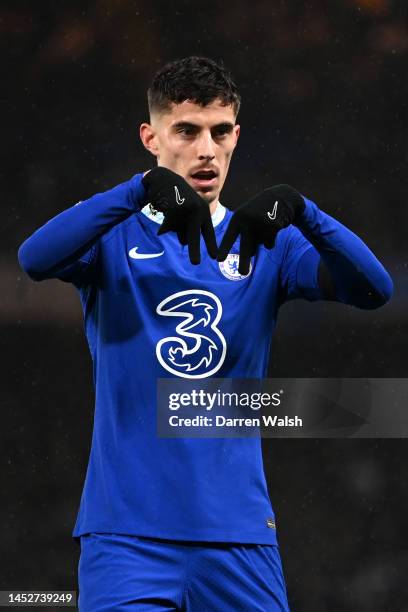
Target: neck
213,206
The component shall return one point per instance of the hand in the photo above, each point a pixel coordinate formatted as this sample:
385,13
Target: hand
259,220
184,211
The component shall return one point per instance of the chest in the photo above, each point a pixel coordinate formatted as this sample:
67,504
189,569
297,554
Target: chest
149,270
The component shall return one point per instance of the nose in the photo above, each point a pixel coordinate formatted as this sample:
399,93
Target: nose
206,146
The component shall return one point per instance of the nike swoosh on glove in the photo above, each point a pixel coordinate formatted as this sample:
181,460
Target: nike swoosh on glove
185,212
259,220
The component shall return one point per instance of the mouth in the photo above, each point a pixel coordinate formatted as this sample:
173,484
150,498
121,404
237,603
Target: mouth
204,178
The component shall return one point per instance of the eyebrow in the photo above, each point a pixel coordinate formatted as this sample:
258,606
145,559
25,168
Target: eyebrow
188,124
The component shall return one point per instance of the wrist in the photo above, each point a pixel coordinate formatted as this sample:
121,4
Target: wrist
137,191
307,218
300,209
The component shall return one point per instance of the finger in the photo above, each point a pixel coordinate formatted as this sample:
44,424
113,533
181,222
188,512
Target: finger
182,236
207,230
193,240
269,241
228,240
247,249
165,227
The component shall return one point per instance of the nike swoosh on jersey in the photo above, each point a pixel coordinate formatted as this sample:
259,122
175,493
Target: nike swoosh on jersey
135,255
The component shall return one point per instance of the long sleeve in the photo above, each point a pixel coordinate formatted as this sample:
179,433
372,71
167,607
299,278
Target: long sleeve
350,273
72,235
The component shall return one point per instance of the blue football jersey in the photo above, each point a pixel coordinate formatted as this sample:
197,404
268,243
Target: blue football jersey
184,489
138,290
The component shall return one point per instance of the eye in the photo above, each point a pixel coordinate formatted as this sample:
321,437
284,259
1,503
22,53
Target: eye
186,130
222,131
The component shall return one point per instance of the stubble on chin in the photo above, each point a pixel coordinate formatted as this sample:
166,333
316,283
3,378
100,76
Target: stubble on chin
208,197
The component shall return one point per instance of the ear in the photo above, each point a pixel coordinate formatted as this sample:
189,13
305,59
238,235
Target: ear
237,131
148,138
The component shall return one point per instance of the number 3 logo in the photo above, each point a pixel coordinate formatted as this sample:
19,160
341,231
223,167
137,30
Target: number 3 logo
199,348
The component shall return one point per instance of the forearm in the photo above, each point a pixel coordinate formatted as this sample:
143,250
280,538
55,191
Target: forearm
72,232
355,274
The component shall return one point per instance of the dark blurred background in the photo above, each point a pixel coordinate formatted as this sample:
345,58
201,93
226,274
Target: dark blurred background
324,88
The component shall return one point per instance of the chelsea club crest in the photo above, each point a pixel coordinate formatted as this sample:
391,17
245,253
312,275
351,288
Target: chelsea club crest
229,268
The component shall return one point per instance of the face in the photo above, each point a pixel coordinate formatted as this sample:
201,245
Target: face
196,142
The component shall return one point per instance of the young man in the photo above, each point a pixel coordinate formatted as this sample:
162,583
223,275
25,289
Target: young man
187,524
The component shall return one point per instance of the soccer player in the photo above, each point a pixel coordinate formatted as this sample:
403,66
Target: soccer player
187,524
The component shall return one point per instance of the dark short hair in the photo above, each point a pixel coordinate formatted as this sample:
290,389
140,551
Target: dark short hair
198,79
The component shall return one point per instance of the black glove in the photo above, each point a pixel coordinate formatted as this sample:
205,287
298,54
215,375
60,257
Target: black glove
259,220
184,211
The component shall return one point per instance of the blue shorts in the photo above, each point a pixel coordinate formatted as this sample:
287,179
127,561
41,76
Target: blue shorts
119,572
